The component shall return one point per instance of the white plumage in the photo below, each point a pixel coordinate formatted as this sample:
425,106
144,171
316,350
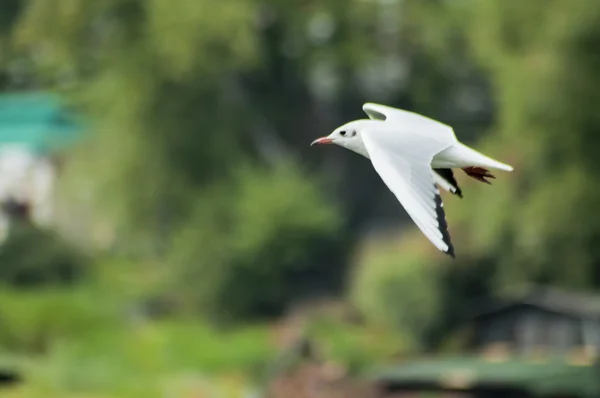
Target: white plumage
413,155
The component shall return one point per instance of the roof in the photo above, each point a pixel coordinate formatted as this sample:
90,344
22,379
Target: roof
579,304
554,376
40,121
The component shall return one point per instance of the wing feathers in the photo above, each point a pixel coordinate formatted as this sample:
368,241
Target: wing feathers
443,224
410,121
447,181
410,178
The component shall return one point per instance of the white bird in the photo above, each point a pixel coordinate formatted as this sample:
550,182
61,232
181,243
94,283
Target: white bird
412,153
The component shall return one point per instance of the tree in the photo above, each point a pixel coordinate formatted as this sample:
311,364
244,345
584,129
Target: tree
533,224
181,97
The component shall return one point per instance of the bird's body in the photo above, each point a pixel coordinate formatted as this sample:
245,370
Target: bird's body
413,155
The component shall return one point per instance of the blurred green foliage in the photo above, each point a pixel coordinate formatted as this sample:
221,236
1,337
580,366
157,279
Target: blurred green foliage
34,321
53,261
543,75
358,347
246,250
200,114
179,178
534,224
70,342
396,295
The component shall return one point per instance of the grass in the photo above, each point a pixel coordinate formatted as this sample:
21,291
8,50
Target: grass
73,343
80,344
147,361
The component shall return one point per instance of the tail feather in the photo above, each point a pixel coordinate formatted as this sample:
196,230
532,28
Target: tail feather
465,156
479,173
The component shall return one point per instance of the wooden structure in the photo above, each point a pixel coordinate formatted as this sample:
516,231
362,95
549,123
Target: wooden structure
539,321
535,342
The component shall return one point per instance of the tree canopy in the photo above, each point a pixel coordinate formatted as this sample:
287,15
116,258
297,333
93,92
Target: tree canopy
201,113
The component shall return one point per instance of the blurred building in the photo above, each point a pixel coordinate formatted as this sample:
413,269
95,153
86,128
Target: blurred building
34,129
540,321
534,342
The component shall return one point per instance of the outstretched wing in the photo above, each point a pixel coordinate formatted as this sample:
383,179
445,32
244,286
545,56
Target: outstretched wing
410,121
403,161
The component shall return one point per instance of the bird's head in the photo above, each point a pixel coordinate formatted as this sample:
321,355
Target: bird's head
347,136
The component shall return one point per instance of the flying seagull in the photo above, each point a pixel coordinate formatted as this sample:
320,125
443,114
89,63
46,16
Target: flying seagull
414,154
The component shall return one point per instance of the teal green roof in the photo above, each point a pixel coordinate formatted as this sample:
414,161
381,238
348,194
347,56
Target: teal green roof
39,121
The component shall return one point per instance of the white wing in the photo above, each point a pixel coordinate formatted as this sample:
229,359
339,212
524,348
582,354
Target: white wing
410,121
404,163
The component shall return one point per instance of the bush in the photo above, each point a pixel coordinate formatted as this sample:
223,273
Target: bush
34,322
251,250
396,291
76,343
358,347
32,256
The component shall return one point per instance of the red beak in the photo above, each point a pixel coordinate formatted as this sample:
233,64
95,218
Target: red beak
322,140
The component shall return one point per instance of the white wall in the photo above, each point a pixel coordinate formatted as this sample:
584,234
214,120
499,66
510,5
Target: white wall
26,177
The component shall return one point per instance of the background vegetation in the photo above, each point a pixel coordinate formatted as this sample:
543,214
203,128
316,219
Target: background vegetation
193,214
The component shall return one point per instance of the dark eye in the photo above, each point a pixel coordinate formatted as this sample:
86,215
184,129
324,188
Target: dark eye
343,133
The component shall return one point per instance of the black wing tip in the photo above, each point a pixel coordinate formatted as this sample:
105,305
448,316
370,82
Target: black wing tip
448,175
457,192
443,225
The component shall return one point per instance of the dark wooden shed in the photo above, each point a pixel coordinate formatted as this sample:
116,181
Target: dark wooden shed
539,318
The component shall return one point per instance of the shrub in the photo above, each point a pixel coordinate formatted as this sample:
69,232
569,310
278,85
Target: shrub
251,250
396,291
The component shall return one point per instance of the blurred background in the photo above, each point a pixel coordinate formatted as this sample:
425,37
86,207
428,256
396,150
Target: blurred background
167,231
